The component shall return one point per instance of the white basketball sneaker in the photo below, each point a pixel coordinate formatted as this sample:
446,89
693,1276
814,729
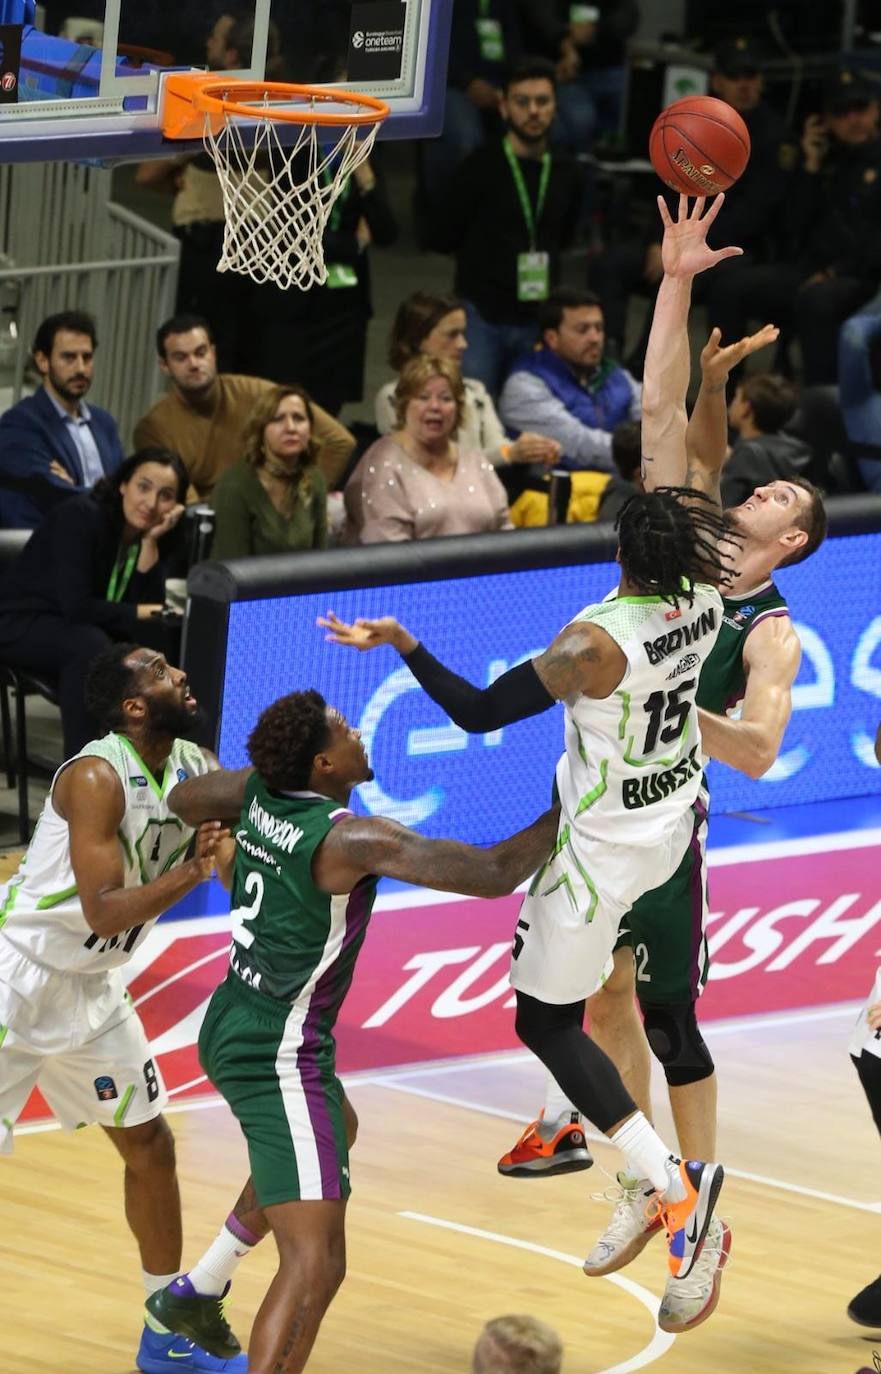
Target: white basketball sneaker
629,1231
688,1302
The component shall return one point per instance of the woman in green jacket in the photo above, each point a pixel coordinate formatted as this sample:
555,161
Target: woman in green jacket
274,499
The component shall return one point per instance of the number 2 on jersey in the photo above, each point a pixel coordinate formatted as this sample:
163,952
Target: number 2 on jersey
242,914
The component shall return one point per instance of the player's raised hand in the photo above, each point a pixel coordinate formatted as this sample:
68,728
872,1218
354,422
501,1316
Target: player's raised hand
717,362
874,1016
684,248
367,634
208,837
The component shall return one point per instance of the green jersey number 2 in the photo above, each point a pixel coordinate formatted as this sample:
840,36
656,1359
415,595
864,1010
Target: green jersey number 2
241,915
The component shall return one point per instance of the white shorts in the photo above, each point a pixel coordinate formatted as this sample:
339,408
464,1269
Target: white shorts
864,1038
89,1054
568,923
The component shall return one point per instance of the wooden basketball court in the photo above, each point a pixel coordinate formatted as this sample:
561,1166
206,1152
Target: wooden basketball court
439,1242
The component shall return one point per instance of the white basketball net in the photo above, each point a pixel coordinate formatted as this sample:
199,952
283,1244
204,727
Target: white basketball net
277,200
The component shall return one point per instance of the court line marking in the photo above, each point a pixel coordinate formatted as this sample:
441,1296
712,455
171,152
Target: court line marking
661,1340
780,1185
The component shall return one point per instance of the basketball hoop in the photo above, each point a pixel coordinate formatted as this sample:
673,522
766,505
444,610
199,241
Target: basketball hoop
277,199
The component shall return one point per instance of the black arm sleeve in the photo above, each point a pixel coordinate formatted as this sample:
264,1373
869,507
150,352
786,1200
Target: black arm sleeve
515,695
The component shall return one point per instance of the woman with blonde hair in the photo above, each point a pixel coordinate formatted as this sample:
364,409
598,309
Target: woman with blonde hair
434,326
420,482
274,499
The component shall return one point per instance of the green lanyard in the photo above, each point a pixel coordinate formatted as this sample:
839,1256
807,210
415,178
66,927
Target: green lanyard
522,193
122,573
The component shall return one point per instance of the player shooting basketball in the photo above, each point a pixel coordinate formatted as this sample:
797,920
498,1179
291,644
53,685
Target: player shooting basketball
754,662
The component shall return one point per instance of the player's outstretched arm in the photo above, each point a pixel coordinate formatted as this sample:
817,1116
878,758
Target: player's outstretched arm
516,695
771,657
706,438
684,254
386,849
89,797
217,795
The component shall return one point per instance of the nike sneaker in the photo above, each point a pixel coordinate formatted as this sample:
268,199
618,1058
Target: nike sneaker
688,1302
169,1353
630,1229
180,1308
549,1148
686,1210
865,1308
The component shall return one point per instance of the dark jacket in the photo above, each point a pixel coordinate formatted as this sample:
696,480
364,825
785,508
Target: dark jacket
64,570
32,434
834,215
482,224
767,458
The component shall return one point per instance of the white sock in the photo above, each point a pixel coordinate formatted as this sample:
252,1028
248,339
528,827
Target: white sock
218,1264
557,1103
631,1168
648,1155
153,1282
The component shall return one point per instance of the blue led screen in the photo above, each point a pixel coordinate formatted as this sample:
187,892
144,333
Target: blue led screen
431,775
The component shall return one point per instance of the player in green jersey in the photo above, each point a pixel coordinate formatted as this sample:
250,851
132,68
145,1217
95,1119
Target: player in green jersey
306,870
107,857
753,663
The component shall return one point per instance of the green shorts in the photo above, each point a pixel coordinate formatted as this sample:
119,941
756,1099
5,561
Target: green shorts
666,927
276,1069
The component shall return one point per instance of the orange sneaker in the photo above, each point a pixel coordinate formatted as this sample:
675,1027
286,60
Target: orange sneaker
687,1218
559,1148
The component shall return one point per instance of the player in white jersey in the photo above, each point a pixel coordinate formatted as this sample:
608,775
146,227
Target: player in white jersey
106,859
627,671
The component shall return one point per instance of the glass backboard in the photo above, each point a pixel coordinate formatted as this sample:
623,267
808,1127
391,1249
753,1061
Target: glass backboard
83,79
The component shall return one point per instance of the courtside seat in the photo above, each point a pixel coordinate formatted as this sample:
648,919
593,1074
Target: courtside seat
21,684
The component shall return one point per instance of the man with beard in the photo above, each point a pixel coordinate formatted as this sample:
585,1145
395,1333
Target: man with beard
204,415
511,209
108,857
52,445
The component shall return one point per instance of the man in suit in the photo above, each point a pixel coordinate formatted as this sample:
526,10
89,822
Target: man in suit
52,445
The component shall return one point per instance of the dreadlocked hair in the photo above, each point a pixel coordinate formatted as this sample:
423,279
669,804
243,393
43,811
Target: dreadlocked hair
668,540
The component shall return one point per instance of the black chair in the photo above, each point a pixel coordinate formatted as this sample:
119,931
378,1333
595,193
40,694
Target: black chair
20,765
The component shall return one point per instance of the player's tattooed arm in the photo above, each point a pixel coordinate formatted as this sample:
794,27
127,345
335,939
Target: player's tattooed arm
582,660
386,849
217,795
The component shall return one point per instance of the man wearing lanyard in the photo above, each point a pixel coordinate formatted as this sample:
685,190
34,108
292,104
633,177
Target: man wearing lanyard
512,208
52,445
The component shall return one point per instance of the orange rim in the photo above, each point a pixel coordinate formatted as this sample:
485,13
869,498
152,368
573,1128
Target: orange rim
191,93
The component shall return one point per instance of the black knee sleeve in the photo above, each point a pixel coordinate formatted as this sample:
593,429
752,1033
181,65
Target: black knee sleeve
676,1042
868,1066
586,1074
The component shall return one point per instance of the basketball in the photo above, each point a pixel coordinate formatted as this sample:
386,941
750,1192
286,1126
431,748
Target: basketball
699,146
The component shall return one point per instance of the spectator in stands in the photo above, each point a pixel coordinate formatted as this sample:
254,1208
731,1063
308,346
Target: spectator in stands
418,482
91,573
511,210
833,226
567,388
750,218
485,41
197,214
435,325
52,445
627,457
274,499
517,1345
761,406
204,415
588,46
319,335
859,381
